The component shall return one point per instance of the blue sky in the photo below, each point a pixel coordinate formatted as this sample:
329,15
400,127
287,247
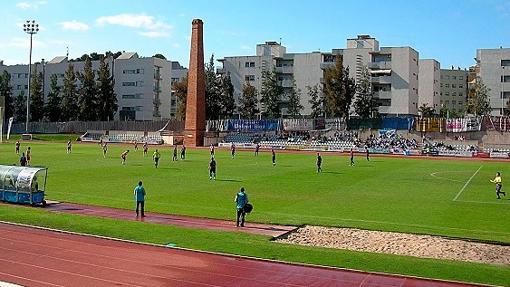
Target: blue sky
447,30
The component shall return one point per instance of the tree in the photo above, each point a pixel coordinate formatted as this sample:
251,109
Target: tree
107,99
248,102
212,91
227,101
53,109
36,97
271,94
6,92
70,107
87,93
478,103
365,105
426,111
159,56
316,101
294,106
180,90
339,90
20,107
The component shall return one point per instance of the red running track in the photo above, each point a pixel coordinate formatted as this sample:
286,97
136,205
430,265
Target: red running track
35,257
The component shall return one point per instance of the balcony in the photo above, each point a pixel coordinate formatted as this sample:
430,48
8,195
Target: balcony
382,95
327,65
382,65
285,70
381,79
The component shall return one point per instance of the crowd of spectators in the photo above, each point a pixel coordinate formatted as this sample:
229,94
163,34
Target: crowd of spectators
390,140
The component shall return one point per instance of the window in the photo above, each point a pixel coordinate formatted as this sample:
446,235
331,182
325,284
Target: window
139,71
461,94
249,78
129,84
454,77
26,87
441,85
447,94
505,95
19,87
446,85
454,86
505,79
246,64
173,80
252,64
132,96
461,78
128,71
139,83
461,86
505,63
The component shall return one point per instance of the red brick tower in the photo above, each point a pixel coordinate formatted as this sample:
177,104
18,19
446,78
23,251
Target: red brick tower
195,103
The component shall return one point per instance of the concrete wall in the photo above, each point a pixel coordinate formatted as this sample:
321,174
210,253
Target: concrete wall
454,89
428,84
491,71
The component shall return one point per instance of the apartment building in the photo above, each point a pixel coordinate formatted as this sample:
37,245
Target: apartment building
142,84
429,84
394,71
494,70
454,89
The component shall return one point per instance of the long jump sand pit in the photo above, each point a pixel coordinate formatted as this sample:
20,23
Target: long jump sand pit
424,246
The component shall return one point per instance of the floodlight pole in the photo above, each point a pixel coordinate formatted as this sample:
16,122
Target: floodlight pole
31,28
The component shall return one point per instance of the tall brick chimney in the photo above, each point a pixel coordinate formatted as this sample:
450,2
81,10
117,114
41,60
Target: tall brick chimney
195,103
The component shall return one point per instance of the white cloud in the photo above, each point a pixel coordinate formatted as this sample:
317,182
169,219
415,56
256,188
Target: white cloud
154,34
134,21
30,5
74,26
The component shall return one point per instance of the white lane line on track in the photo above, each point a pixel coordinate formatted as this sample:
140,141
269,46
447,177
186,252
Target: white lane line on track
25,279
467,183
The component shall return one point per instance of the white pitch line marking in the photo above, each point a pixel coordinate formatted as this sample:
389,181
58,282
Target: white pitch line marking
434,174
467,183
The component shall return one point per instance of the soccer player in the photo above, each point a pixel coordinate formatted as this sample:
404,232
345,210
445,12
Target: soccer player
319,163
174,157
497,181
155,158
123,156
233,150
105,149
23,160
257,148
368,153
351,153
17,145
145,148
29,156
136,145
211,149
183,152
212,169
241,200
273,156
69,146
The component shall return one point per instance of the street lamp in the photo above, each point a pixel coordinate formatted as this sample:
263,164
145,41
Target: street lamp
31,28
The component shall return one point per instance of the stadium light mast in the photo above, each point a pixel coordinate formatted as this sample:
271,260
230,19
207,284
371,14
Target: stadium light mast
31,28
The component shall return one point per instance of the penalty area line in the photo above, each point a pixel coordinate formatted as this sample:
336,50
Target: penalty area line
466,184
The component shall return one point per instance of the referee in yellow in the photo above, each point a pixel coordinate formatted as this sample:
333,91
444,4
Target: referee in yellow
156,157
497,181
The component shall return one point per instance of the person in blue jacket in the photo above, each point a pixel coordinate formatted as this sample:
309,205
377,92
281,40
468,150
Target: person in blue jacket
140,199
241,200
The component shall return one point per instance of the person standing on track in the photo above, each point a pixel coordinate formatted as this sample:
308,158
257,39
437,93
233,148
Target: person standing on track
123,156
17,146
155,158
351,153
69,146
499,185
233,150
273,156
212,169
257,148
145,149
241,200
139,193
319,163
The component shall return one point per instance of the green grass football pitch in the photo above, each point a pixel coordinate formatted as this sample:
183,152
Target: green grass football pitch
445,197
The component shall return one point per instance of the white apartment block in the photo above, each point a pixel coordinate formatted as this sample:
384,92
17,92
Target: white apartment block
494,70
139,82
429,87
454,89
394,71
